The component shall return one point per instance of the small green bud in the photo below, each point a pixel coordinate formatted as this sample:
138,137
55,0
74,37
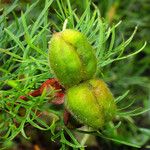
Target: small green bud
91,102
71,57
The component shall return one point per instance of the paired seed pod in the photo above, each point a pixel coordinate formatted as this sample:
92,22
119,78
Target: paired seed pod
71,57
91,103
73,61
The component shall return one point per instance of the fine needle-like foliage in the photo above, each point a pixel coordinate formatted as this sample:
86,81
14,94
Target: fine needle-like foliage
24,65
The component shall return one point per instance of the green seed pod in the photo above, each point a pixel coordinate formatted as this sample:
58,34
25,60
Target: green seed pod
91,102
71,57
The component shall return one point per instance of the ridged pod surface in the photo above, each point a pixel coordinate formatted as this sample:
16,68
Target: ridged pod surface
71,57
91,103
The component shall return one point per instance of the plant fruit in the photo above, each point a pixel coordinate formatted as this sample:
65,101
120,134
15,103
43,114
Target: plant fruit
91,103
71,57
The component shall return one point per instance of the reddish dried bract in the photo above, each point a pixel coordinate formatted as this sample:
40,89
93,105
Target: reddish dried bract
48,85
66,116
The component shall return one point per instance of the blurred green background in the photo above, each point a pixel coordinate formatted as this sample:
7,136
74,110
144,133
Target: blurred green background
131,74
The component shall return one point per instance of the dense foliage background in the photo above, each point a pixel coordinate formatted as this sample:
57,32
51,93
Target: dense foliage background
25,29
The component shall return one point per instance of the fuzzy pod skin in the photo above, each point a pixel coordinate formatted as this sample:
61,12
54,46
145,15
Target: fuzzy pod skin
91,103
71,57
